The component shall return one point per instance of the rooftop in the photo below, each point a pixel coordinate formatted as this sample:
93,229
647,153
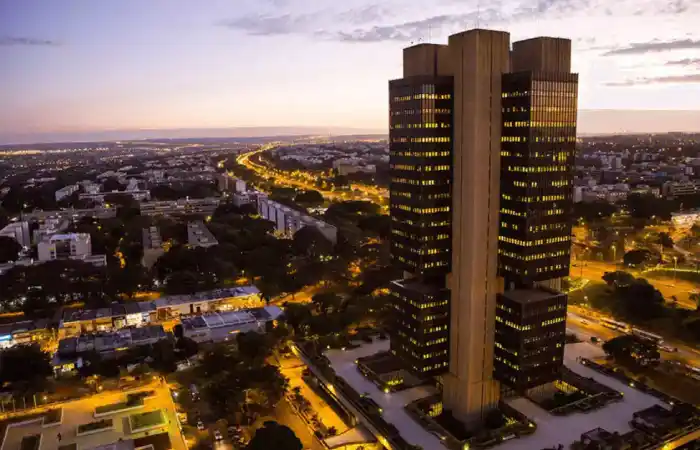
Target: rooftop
551,431
216,294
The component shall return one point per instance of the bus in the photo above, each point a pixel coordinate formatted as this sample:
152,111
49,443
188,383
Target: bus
650,337
614,325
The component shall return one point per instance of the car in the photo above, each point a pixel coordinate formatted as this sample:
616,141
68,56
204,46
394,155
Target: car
595,339
585,322
668,348
200,425
218,436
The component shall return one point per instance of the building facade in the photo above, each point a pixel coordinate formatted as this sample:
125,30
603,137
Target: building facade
481,157
420,205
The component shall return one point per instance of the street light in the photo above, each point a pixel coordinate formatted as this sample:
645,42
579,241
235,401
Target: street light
675,266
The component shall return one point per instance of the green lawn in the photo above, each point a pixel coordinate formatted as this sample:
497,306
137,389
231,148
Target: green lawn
53,416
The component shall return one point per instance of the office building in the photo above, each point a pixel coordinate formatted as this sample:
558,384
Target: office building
19,231
481,143
420,163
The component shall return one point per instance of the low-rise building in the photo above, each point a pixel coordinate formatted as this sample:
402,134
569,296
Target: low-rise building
217,327
65,246
106,344
152,246
288,220
74,322
687,218
139,195
198,235
24,332
202,302
102,212
202,206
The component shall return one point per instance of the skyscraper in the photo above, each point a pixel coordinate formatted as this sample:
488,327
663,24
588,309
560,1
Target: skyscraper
421,164
492,172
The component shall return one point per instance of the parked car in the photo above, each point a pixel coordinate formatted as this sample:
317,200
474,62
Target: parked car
200,425
218,436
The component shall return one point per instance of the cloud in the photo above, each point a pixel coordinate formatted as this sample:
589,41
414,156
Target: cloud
671,79
18,41
654,47
271,25
684,62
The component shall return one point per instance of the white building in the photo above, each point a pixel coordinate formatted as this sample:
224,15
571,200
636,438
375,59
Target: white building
198,235
66,192
65,246
19,231
184,206
288,221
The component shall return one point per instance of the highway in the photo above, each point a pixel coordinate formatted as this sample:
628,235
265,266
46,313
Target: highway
356,191
585,324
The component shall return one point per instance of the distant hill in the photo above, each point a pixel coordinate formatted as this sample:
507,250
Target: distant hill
590,123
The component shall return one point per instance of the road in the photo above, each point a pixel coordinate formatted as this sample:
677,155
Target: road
285,415
584,323
594,271
357,191
292,368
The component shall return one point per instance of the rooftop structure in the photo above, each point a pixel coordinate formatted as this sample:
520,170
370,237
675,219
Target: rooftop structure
71,214
216,327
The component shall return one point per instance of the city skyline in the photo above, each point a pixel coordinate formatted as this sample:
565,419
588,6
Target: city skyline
78,67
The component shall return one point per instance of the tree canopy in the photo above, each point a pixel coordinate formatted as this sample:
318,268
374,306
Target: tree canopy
273,435
9,249
25,367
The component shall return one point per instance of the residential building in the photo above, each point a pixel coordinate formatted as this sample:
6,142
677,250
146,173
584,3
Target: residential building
101,212
208,301
19,231
138,195
288,220
24,332
198,235
481,159
673,189
66,191
186,206
64,246
152,246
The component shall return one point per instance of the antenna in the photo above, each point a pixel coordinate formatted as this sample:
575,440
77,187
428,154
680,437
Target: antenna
478,13
430,32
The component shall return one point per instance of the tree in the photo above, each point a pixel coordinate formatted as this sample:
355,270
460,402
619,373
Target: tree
309,199
163,354
273,435
636,258
254,347
9,249
25,367
111,184
186,347
695,297
379,224
631,350
665,240
647,206
311,242
326,302
618,278
593,211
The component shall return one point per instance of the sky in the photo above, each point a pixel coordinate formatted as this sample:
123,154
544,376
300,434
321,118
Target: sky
79,66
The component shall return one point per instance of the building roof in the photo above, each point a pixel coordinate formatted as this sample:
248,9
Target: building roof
216,294
25,325
232,318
